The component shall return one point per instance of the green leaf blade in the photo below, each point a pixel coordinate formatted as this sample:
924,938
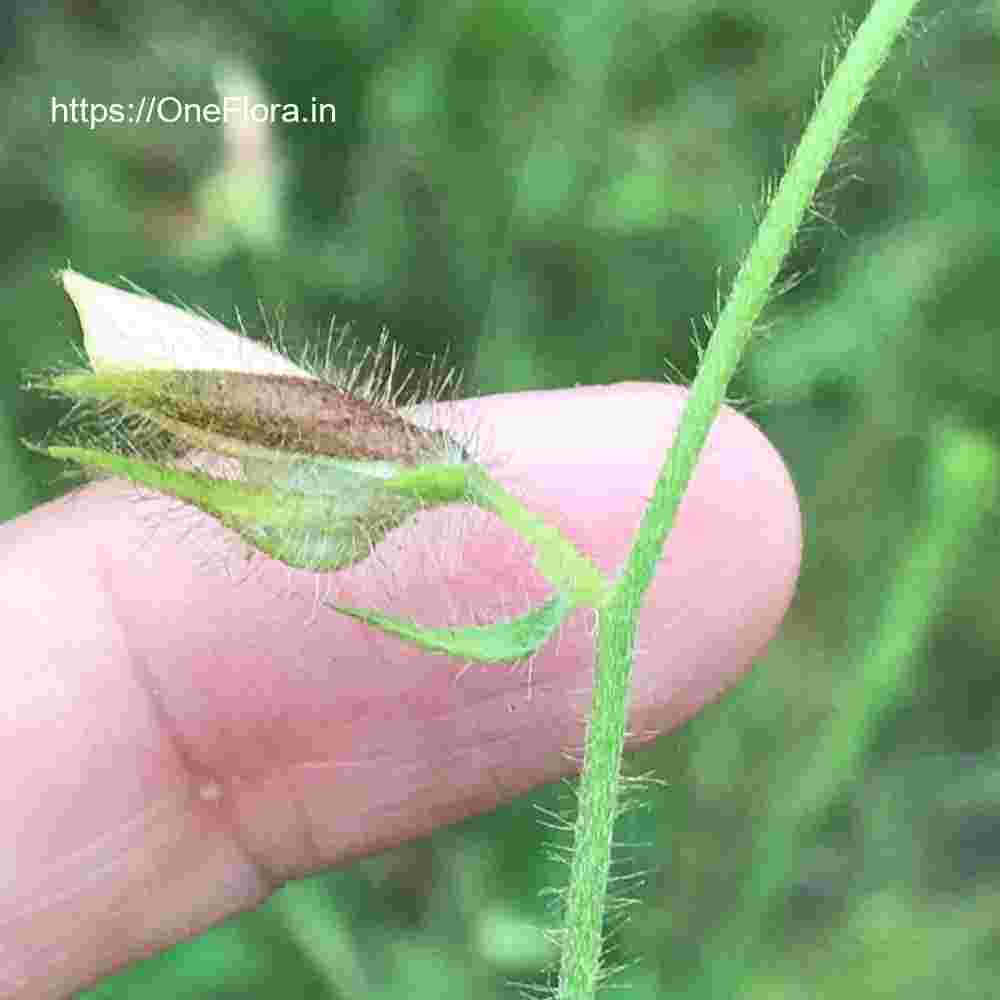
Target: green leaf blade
500,642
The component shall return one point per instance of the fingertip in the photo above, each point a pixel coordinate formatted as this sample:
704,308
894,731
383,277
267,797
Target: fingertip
589,458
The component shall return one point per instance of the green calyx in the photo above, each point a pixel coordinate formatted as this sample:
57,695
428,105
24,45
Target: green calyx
337,524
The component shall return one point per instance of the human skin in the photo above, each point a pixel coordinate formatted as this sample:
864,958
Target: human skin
178,740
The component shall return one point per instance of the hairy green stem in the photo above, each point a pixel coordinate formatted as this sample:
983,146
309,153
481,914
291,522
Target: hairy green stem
557,558
618,618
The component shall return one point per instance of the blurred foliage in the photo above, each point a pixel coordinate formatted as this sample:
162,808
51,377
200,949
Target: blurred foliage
554,194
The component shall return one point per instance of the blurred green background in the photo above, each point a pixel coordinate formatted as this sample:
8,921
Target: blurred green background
554,193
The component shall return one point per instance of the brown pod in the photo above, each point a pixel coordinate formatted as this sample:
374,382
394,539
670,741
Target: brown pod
294,413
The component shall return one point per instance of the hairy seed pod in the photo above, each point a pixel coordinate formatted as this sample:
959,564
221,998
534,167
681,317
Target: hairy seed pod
286,413
292,413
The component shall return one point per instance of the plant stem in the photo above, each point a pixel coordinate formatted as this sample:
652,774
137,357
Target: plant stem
618,618
557,558
597,805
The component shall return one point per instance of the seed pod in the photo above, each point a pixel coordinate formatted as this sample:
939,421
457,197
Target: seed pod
281,412
304,415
